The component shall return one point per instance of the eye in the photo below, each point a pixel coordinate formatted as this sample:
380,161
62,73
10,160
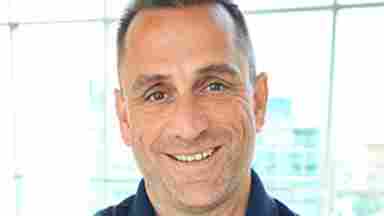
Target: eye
216,87
156,97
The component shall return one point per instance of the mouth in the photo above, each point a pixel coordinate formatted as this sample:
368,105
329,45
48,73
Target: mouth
195,157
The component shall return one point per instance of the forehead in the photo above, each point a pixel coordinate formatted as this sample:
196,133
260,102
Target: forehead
178,36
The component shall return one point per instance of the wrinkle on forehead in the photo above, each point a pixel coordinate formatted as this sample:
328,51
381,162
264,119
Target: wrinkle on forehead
162,27
153,17
159,37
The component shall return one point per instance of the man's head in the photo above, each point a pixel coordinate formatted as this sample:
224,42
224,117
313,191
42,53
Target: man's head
189,108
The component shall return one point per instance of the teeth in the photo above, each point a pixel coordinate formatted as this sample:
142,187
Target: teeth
205,155
194,157
183,157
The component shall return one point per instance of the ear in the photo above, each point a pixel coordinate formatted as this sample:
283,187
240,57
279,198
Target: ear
122,115
260,96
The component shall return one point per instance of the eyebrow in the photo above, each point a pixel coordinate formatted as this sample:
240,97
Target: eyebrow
142,80
212,69
220,69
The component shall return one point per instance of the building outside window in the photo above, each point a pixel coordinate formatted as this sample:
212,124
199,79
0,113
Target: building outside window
321,149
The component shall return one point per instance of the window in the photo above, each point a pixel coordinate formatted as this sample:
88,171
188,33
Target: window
275,4
321,149
7,163
4,11
293,49
54,145
359,1
48,10
358,112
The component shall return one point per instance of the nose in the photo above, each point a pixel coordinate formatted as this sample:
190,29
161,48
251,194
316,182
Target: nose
188,121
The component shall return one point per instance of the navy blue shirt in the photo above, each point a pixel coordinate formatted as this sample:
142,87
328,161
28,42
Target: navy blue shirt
259,203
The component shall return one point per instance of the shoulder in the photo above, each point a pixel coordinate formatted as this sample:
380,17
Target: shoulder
122,209
283,209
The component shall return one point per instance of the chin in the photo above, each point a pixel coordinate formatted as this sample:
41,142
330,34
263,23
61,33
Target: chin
200,200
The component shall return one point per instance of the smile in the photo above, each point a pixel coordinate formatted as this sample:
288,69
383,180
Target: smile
195,157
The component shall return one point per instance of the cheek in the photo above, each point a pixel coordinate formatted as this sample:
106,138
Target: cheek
145,148
236,117
147,127
234,112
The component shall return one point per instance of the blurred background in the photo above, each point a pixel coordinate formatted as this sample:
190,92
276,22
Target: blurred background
321,152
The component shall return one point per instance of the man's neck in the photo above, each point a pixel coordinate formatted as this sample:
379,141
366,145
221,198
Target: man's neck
235,204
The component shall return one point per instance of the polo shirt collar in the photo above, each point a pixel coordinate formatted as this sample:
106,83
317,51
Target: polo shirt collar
259,202
142,204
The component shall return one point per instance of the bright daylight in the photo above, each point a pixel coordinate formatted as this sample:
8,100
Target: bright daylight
320,150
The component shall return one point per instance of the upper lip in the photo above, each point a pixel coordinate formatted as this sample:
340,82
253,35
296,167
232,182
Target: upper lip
194,152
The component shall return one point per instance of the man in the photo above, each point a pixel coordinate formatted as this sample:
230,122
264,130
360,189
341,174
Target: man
189,106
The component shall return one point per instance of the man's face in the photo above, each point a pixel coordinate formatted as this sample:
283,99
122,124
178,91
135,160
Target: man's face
189,107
